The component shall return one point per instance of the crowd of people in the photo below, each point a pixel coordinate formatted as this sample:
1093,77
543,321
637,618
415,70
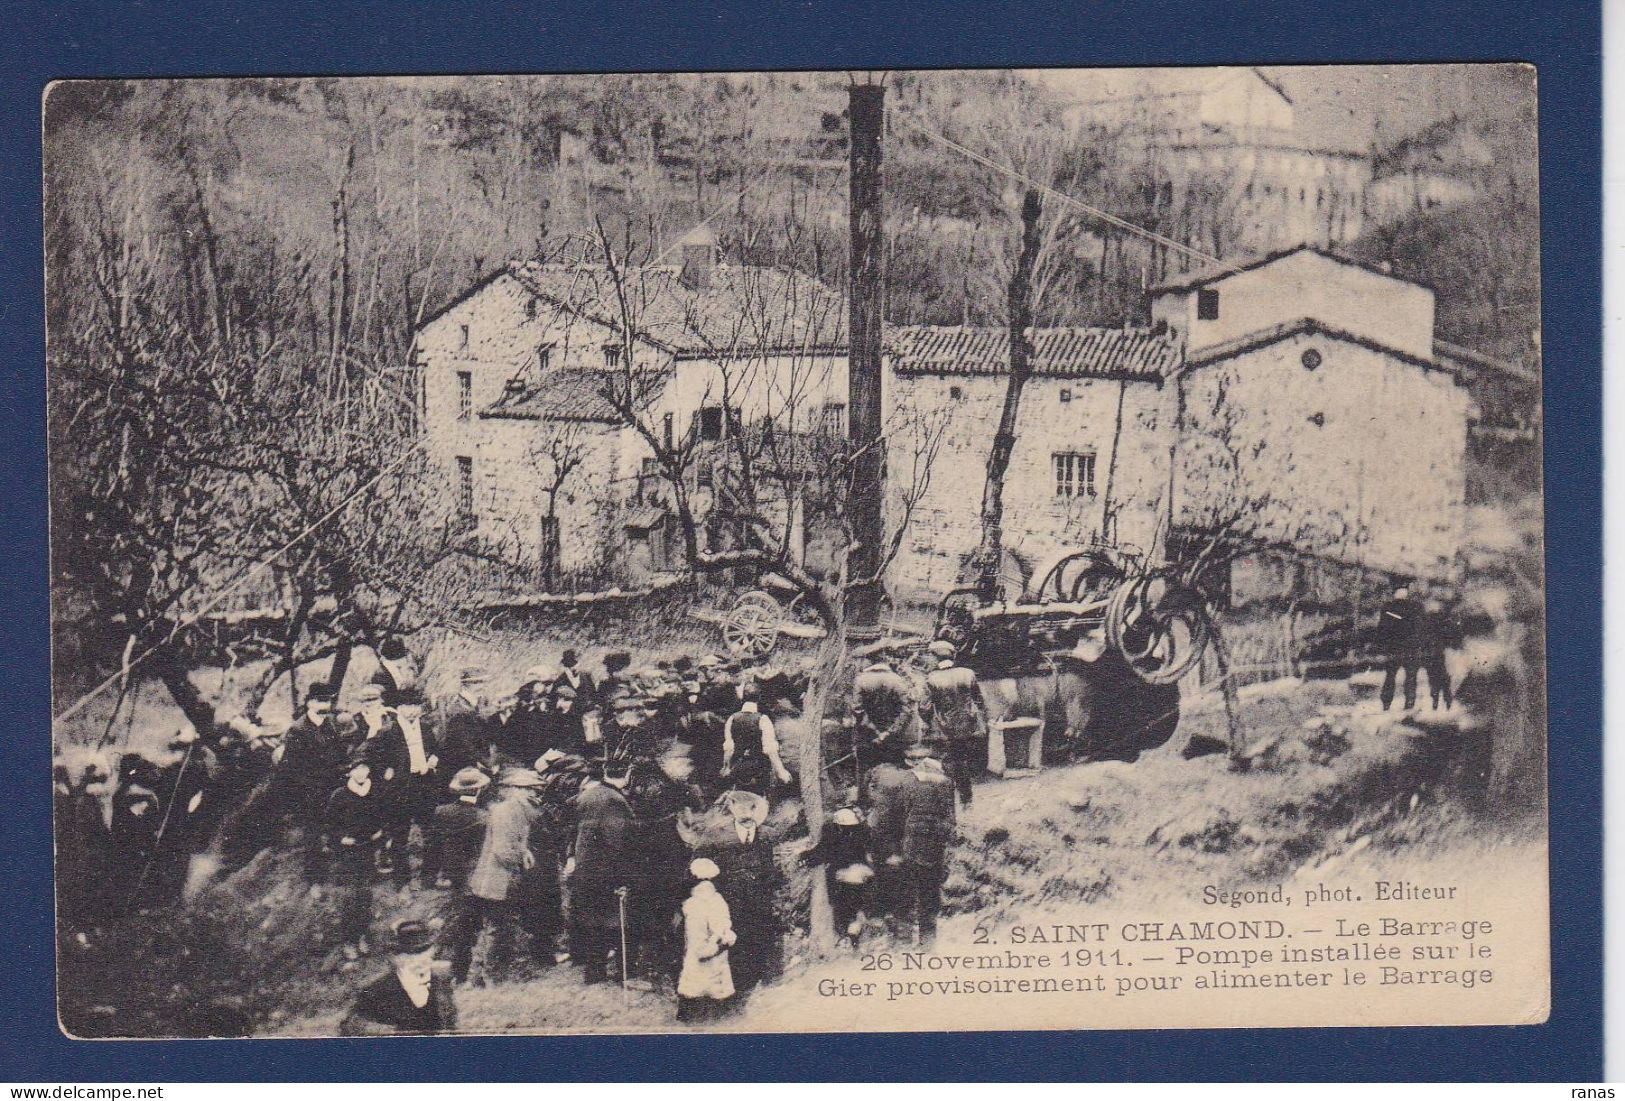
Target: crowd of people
618,821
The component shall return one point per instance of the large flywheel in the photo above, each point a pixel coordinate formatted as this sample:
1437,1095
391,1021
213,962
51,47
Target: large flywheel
1159,625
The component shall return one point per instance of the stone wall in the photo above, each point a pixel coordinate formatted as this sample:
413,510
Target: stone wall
1057,415
1360,459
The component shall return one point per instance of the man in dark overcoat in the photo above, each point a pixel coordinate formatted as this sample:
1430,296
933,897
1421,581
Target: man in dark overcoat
929,827
884,708
464,723
607,849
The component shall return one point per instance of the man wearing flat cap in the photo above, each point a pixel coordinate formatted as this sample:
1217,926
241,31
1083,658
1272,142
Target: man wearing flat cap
413,999
956,717
929,827
458,828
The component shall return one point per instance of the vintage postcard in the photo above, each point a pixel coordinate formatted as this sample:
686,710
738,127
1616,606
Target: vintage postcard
797,551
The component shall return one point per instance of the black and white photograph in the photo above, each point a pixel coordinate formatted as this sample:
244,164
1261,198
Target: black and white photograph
880,550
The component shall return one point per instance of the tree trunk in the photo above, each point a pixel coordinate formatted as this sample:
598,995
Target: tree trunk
341,665
986,562
832,659
186,695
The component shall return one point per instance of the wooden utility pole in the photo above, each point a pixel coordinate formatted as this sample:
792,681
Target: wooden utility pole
866,300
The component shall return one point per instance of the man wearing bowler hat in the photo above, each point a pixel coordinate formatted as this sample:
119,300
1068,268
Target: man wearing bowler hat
414,998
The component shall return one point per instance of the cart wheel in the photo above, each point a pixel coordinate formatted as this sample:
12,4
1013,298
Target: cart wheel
751,628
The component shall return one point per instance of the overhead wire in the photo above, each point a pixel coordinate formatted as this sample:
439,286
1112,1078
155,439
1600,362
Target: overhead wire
1069,200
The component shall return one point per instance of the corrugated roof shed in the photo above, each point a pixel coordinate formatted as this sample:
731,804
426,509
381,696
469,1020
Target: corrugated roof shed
1059,352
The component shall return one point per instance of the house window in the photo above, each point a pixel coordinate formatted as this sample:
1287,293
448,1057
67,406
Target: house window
544,356
667,429
955,393
1074,474
465,487
530,309
710,422
463,345
834,418
1207,304
465,395
1066,394
612,355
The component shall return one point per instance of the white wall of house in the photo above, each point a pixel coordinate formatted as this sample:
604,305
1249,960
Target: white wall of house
1058,416
512,475
1360,459
1305,284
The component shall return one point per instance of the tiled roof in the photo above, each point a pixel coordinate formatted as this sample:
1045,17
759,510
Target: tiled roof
1060,352
573,394
744,308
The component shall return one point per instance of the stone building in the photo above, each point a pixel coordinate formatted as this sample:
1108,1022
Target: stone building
1297,400
543,413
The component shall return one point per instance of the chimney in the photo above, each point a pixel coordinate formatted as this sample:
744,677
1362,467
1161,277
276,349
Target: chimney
699,258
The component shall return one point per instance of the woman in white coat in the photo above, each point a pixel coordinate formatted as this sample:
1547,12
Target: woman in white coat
706,986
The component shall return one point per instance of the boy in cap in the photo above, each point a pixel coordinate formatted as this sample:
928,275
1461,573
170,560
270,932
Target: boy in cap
843,850
414,999
705,986
356,838
459,828
928,829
